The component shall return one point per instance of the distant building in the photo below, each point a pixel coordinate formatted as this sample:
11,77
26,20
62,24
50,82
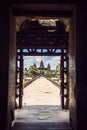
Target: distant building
42,68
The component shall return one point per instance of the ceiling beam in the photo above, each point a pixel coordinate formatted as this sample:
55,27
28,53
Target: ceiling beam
57,10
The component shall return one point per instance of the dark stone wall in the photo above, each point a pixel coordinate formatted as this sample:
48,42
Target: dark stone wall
12,69
4,58
81,66
72,70
44,1
78,67
7,67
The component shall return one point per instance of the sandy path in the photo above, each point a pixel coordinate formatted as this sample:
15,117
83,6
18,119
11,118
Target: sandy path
41,92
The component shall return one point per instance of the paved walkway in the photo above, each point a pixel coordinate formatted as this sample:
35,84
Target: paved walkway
41,104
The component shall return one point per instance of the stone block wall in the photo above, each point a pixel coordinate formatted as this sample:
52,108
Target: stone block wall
7,66
72,70
12,70
81,64
4,64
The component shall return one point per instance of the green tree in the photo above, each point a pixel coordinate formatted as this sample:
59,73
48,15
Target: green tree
47,73
26,71
26,74
34,71
58,68
53,73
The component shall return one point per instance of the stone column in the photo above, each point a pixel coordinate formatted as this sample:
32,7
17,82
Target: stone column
7,66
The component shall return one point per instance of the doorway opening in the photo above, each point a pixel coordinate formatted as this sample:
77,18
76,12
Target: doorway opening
44,40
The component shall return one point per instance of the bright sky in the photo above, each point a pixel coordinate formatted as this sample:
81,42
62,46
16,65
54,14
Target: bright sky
30,60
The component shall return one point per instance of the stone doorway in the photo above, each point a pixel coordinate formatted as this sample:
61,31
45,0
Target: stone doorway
44,111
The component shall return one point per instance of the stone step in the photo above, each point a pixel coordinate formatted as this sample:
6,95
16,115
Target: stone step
41,126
